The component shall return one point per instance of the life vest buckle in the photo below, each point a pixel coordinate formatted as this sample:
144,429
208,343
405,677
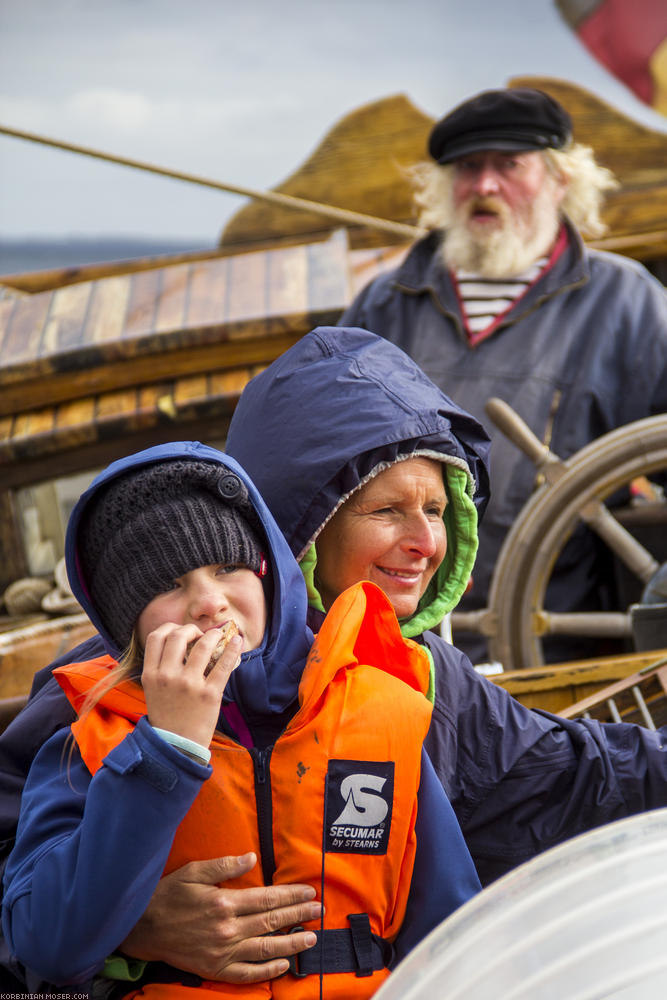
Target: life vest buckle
353,949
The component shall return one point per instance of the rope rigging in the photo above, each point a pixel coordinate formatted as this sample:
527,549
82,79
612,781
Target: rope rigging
342,215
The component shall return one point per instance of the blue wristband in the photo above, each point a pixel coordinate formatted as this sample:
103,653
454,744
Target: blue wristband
187,746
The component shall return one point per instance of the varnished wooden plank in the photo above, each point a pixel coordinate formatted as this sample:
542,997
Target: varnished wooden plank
121,416
6,428
207,293
144,292
40,422
168,399
105,362
655,656
64,328
108,308
24,332
231,383
256,345
14,562
109,405
191,389
21,424
149,394
549,701
246,292
47,280
559,686
78,420
554,676
172,301
157,406
147,413
233,353
7,307
91,435
328,273
287,285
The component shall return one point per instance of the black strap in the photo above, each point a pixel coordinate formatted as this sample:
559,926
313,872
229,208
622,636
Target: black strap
362,942
354,949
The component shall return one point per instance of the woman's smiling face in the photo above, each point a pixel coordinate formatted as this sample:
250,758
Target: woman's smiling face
391,532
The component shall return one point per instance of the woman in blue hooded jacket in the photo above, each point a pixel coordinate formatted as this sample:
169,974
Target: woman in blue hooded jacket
332,414
339,405
163,550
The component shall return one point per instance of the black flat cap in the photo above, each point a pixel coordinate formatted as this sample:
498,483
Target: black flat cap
510,120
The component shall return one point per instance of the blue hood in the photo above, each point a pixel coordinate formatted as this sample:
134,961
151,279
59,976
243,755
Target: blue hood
268,678
335,409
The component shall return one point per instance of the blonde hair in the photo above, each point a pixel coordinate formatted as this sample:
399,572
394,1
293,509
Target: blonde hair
432,194
128,668
587,185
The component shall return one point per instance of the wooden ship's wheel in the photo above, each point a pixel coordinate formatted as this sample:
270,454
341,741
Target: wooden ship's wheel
516,621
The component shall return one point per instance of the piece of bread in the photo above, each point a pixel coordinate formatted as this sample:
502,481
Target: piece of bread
227,632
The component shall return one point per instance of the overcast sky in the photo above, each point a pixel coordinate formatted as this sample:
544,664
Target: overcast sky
235,90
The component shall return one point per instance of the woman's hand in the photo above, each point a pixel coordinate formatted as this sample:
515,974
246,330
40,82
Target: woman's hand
182,694
223,934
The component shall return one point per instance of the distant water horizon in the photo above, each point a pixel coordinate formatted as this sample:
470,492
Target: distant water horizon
18,255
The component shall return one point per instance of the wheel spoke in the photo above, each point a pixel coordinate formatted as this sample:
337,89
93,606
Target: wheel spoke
603,624
631,552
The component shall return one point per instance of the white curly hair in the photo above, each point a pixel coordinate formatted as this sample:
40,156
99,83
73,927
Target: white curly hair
587,186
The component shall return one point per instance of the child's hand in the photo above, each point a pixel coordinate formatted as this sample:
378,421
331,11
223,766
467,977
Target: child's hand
182,694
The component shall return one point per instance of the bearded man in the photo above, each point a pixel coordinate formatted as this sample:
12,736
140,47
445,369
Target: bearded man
501,298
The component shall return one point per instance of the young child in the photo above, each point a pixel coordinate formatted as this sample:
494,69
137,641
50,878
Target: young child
310,757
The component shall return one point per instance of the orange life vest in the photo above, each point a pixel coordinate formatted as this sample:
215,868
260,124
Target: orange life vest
335,799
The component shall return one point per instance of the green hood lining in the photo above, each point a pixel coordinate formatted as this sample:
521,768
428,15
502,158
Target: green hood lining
451,579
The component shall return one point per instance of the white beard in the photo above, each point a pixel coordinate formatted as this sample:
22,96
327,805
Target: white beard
510,247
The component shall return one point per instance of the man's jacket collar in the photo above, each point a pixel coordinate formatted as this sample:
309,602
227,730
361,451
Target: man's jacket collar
423,271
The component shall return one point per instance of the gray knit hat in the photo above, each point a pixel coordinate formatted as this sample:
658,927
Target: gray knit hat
148,527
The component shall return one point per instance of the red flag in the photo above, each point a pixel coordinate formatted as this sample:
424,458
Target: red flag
629,37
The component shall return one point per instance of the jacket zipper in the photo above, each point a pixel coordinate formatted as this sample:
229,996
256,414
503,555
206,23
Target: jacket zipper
261,762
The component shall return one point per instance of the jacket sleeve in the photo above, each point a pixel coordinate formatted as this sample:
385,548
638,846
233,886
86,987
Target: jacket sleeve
444,875
522,780
90,850
47,711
